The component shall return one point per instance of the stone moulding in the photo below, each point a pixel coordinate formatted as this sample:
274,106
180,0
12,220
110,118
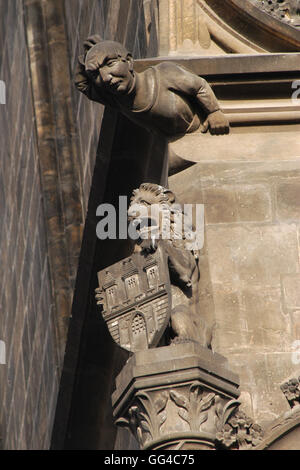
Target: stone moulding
192,27
256,25
231,40
214,27
284,433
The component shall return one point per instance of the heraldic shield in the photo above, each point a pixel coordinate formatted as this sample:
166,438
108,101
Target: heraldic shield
135,294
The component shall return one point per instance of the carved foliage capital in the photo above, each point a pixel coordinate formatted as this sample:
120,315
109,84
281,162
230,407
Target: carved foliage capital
189,410
146,415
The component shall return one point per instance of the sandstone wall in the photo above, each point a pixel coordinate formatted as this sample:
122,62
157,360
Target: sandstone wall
250,270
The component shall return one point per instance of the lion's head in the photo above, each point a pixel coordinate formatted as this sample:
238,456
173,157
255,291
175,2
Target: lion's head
155,213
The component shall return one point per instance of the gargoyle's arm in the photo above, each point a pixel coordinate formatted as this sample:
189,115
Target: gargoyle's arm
216,120
184,82
206,97
197,88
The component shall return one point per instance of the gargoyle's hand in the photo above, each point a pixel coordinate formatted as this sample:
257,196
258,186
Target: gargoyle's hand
217,123
82,81
91,41
87,45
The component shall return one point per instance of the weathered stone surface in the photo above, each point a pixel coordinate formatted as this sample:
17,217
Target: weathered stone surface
253,254
287,200
295,329
283,433
257,145
231,204
291,291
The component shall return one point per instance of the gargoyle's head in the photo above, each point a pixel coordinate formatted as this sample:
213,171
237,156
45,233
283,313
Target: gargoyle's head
110,67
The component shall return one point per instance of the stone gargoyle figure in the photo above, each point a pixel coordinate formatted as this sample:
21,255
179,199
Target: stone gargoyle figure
165,98
170,101
186,321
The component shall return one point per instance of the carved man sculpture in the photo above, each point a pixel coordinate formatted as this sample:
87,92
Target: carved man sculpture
166,97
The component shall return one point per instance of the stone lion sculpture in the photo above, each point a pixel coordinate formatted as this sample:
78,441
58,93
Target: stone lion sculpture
154,213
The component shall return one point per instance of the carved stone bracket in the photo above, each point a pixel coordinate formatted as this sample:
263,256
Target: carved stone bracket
176,397
291,390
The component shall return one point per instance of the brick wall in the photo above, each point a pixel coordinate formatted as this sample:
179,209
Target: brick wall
29,380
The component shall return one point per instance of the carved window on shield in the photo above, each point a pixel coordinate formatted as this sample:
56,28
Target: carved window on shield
132,285
153,276
111,296
139,333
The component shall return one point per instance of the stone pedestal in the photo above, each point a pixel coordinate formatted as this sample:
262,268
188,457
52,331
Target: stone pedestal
177,397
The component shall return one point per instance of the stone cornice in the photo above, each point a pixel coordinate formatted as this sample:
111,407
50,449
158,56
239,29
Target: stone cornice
230,64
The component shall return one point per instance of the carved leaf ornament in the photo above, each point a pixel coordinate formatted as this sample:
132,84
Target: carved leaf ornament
193,410
234,429
146,417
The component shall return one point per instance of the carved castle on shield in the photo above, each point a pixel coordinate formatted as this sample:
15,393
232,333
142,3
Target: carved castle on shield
136,297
